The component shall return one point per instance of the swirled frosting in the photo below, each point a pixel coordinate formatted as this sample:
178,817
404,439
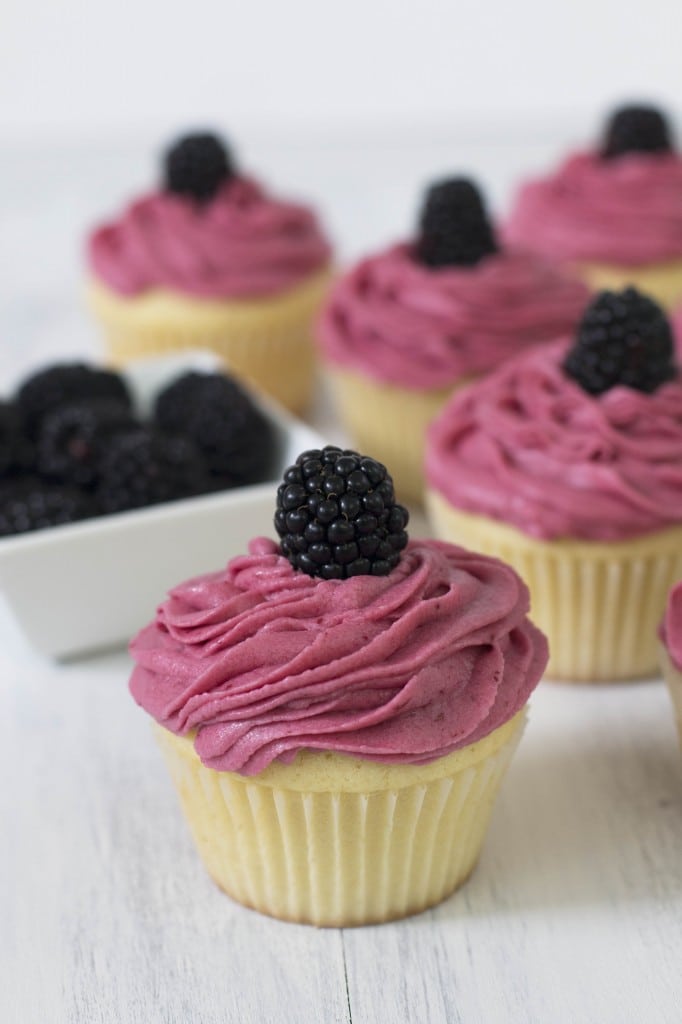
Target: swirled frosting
263,661
671,627
626,211
528,446
242,243
408,324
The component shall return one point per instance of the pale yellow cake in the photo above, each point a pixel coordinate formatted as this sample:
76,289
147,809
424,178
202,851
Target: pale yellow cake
268,340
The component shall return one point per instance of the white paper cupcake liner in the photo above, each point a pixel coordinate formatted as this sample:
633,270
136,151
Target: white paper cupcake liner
599,603
333,840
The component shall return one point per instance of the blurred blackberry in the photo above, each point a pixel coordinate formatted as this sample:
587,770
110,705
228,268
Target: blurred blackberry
235,438
73,439
337,515
17,454
636,129
624,338
31,504
454,229
197,165
143,467
68,382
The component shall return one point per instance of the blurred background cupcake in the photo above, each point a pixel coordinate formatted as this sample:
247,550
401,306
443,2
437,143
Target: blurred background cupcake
405,326
613,213
210,259
567,463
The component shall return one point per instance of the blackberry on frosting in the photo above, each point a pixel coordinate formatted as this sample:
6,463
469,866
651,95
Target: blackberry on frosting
454,228
624,338
197,165
337,515
636,129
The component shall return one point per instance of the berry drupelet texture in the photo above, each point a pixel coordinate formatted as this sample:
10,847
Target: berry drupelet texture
17,453
62,384
636,129
234,437
197,165
624,338
454,228
143,467
29,503
73,439
337,515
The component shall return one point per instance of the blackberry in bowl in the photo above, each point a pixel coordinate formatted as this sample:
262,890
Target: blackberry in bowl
110,555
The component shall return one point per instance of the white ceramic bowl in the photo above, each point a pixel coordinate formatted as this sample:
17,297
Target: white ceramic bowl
86,586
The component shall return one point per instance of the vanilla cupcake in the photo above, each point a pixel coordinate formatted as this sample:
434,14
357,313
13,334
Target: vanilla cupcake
612,214
212,260
567,463
406,326
671,651
337,714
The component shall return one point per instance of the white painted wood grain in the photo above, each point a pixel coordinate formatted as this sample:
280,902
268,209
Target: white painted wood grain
574,915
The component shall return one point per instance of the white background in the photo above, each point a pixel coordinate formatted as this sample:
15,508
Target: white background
79,66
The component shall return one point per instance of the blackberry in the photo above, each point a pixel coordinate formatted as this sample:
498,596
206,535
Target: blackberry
73,438
68,382
235,438
197,165
142,467
337,515
29,503
623,338
16,450
636,129
454,229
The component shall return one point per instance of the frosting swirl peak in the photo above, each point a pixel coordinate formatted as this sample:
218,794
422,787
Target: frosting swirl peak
529,447
408,324
263,661
626,211
242,243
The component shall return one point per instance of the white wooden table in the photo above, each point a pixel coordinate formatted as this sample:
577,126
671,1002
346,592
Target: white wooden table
574,914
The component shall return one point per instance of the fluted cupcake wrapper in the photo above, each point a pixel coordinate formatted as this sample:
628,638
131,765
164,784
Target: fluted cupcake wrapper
598,602
268,341
662,281
389,423
334,840
673,678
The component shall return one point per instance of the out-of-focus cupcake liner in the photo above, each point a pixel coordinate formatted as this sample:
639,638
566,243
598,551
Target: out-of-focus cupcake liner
333,840
673,677
662,281
598,602
389,423
267,341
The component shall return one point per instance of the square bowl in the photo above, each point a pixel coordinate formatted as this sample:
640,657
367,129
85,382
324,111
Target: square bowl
87,586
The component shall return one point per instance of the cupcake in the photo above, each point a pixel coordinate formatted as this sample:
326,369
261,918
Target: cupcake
671,651
612,214
567,463
405,327
211,259
337,713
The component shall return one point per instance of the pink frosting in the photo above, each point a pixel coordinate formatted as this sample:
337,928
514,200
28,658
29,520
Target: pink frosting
263,660
626,210
398,321
671,628
528,446
242,243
